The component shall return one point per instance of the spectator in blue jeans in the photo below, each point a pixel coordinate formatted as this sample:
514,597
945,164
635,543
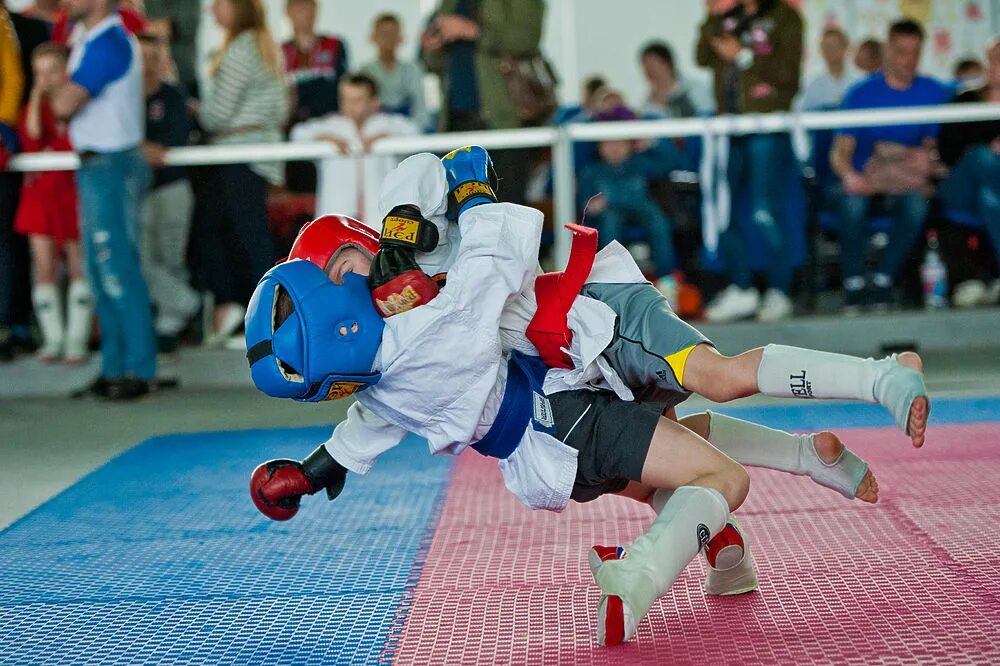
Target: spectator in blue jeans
616,186
754,48
104,102
972,151
895,162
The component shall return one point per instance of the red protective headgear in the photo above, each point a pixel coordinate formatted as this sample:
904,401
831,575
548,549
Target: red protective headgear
320,240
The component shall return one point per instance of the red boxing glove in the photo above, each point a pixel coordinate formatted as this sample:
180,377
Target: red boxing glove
397,282
277,486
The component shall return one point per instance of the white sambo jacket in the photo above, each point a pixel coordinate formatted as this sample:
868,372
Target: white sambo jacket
444,364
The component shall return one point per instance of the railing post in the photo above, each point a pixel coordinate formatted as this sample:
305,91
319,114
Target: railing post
564,192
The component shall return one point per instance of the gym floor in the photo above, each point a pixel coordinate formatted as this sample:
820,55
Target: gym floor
127,541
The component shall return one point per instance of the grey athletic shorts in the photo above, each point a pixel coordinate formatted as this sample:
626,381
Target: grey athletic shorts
611,436
651,343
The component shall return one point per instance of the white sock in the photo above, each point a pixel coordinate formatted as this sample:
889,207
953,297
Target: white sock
689,519
48,312
79,309
792,372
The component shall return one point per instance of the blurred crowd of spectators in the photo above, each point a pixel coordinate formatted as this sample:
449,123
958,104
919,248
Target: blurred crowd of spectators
740,218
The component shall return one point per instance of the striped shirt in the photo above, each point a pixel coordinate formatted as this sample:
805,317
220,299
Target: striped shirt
246,102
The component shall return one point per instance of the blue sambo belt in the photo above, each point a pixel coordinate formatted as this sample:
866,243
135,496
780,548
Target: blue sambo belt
524,403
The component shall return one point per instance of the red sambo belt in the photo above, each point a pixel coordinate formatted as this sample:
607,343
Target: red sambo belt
555,293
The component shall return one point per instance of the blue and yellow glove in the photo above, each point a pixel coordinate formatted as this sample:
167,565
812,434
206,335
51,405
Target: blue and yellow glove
471,179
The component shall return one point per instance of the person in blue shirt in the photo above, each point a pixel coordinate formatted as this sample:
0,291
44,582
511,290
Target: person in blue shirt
892,161
104,103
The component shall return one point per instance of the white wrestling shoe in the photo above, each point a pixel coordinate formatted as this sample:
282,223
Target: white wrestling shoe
730,569
733,304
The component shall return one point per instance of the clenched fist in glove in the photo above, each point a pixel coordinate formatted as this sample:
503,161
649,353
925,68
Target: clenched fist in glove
396,280
277,486
471,179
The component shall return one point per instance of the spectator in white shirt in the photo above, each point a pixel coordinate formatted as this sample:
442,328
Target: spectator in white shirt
343,180
826,90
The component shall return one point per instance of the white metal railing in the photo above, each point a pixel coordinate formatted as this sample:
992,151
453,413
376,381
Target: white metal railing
561,139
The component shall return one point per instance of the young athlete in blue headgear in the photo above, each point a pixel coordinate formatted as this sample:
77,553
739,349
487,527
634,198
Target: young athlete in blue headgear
449,376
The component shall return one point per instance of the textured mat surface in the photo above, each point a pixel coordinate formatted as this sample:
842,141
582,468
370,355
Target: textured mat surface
160,557
909,581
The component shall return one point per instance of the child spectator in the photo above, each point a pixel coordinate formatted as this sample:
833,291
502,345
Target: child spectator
48,216
400,84
968,75
313,62
358,125
165,218
617,188
868,57
826,91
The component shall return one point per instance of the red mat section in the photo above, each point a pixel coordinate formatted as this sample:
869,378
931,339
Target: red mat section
911,580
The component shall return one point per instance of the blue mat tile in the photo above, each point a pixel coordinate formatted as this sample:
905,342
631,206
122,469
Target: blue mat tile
160,557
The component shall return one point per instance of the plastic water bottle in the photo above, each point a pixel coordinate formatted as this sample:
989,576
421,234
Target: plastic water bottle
934,276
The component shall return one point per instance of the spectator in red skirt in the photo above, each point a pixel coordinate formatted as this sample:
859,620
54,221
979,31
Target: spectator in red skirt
48,216
131,13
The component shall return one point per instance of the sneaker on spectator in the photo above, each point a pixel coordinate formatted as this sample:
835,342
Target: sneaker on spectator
733,304
775,306
129,389
232,319
969,294
667,286
855,300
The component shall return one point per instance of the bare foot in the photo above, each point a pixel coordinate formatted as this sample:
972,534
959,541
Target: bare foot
829,447
916,423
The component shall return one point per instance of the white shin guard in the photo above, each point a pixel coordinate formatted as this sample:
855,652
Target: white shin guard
759,446
792,372
650,564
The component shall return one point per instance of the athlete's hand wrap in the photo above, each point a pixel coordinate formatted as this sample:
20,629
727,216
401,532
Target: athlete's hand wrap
277,486
471,179
396,280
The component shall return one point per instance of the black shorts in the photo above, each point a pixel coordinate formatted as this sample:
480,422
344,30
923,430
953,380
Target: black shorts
611,436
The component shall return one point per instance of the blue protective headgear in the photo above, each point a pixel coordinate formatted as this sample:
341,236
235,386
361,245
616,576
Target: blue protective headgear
326,348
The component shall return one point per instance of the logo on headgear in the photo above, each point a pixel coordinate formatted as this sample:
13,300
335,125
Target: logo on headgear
340,390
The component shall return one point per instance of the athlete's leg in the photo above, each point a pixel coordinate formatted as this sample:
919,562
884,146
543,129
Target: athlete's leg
820,456
777,370
705,486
